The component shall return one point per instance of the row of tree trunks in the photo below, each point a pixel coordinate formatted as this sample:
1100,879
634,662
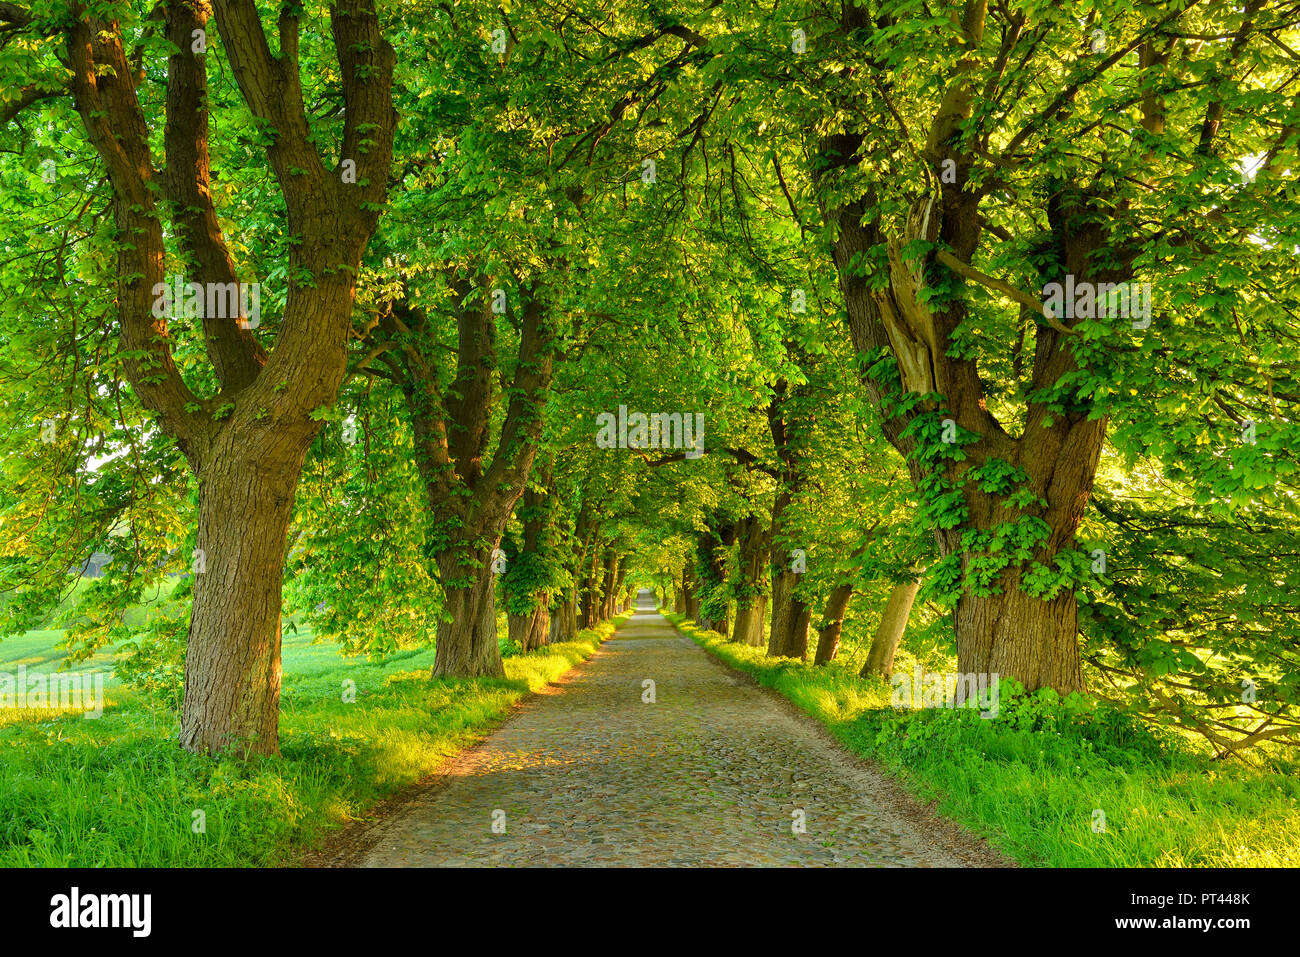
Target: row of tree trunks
599,574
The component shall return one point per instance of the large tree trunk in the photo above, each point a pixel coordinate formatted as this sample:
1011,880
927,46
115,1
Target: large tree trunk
791,617
605,602
532,630
893,623
788,636
467,645
247,461
832,624
691,589
751,603
590,611
750,622
232,665
564,620
1057,448
1015,634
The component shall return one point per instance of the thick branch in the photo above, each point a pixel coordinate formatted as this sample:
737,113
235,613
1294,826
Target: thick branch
233,349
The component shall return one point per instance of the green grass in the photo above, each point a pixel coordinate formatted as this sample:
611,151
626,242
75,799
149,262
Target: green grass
39,651
117,791
1031,778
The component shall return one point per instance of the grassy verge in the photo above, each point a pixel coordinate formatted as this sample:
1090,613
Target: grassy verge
117,792
1033,778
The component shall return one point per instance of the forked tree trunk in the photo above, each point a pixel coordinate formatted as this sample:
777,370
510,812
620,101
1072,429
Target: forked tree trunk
247,465
893,623
1010,633
232,664
467,645
832,624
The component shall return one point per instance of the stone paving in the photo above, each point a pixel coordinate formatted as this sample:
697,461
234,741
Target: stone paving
714,772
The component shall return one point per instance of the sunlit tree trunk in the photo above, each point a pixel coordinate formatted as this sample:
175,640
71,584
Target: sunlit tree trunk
246,444
893,623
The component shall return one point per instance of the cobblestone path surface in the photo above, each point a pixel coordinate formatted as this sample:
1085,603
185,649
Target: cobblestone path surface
714,772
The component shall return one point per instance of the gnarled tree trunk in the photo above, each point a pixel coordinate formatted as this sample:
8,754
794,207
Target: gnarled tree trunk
1086,239
467,645
246,444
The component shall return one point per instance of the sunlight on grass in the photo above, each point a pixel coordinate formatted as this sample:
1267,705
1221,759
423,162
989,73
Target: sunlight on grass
118,792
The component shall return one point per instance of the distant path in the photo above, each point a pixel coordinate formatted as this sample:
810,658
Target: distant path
708,775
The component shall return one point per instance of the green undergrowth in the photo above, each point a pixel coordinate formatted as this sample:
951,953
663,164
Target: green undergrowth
117,791
1050,782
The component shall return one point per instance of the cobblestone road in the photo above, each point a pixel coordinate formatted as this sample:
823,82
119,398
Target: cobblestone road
714,772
